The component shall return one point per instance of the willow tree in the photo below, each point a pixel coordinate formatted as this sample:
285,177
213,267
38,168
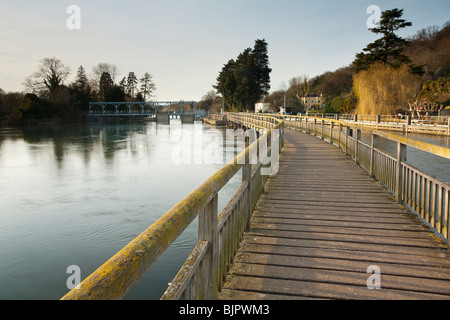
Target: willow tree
384,89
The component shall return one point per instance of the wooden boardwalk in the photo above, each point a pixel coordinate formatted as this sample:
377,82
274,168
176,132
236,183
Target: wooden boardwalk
322,222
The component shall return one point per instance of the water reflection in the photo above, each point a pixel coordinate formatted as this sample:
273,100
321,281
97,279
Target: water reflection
77,194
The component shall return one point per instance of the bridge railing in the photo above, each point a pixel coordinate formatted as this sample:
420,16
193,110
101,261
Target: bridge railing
406,123
423,194
218,236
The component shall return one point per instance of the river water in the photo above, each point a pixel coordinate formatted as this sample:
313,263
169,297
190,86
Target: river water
77,194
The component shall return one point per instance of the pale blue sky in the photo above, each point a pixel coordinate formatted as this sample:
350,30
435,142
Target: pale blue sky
184,43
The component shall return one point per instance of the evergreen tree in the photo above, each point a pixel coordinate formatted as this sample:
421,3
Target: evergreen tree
81,81
244,80
147,86
248,90
388,49
123,84
106,84
81,90
262,69
226,84
132,83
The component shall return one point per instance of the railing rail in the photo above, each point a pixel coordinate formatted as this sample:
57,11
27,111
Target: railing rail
420,192
218,236
406,123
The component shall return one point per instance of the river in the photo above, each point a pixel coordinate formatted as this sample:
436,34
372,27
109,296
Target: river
77,194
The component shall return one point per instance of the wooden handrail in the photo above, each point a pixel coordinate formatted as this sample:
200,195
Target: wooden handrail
119,274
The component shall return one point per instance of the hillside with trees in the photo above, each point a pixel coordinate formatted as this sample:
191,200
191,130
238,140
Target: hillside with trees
380,70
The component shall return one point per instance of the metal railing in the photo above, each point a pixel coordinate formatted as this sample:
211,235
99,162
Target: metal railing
218,236
422,193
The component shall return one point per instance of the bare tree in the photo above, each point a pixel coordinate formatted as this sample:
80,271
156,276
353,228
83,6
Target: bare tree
50,75
98,70
102,67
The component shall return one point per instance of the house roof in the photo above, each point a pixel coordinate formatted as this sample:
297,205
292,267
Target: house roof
262,100
311,95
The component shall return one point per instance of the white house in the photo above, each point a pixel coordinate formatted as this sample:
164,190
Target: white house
262,105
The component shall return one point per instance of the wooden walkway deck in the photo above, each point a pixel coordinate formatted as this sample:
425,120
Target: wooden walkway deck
321,224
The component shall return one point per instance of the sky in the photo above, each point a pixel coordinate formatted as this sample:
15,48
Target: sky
185,43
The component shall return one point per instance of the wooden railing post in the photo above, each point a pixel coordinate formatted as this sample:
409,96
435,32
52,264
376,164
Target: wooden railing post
331,131
373,145
322,126
357,139
207,231
247,177
401,157
347,132
448,128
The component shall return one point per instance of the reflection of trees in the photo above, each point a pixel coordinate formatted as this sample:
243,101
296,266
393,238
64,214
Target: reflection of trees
84,139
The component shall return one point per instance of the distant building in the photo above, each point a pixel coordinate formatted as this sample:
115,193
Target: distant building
312,101
262,105
286,110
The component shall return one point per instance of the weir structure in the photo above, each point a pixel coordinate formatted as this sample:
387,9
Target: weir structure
161,111
337,208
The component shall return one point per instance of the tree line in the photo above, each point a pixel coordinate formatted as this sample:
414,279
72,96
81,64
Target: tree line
388,76
48,97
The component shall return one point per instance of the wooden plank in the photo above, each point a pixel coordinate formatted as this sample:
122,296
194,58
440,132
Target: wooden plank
322,222
342,277
337,228
354,247
323,290
427,266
